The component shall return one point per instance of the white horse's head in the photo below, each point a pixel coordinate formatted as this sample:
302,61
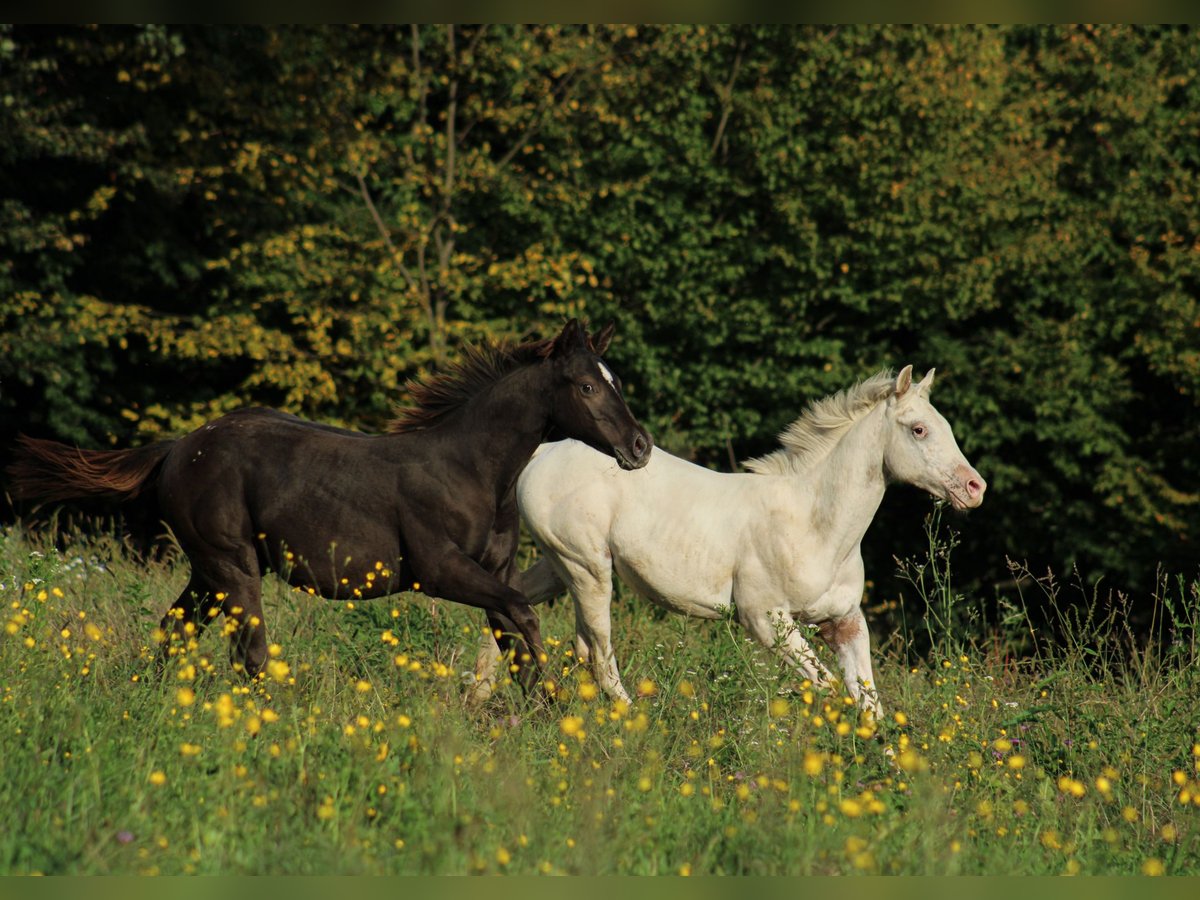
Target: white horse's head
921,449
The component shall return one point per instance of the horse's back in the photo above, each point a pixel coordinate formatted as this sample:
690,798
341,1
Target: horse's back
264,420
265,445
572,472
670,528
259,470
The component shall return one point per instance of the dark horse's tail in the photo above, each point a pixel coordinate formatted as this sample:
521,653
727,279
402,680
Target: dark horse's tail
50,472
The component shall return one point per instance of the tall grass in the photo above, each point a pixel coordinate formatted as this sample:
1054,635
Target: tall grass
356,754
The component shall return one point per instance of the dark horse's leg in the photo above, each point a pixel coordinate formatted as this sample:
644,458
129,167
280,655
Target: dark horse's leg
203,497
539,583
503,632
445,571
229,583
511,636
187,618
527,627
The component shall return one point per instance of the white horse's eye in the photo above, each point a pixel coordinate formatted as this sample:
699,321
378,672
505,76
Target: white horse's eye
919,431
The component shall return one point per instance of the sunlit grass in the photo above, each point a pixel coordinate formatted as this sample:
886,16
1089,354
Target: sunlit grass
354,752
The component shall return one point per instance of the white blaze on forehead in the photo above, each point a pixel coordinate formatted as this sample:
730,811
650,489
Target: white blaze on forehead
608,376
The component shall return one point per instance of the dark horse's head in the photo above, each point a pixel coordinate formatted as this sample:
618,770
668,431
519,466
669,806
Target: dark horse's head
587,403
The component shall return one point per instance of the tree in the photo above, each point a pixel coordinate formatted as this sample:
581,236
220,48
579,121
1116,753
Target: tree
199,218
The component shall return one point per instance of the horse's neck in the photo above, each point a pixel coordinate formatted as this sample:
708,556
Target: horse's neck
504,423
847,486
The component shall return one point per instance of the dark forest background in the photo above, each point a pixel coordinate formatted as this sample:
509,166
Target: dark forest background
197,218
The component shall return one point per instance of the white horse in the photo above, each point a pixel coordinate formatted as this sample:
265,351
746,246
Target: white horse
777,547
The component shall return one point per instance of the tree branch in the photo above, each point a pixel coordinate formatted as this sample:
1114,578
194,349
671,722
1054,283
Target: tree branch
451,123
365,193
726,95
416,64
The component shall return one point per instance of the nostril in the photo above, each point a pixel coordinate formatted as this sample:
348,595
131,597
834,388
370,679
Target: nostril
974,487
639,447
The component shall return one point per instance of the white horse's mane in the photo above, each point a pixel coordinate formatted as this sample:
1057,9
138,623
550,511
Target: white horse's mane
822,425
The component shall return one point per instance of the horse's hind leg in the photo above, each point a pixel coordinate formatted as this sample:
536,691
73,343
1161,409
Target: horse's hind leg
185,621
233,586
591,590
497,649
487,668
246,628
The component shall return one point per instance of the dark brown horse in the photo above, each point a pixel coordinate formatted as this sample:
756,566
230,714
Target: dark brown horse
429,504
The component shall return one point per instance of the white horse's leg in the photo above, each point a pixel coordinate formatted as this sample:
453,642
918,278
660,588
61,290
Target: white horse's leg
487,667
583,652
539,583
849,639
776,631
592,591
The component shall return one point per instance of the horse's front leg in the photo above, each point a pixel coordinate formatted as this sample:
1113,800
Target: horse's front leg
539,583
847,635
849,639
445,571
591,589
776,631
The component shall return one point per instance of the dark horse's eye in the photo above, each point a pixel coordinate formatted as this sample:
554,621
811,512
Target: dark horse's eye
588,388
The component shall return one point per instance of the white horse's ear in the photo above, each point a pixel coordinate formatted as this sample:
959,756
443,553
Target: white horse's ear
926,383
904,381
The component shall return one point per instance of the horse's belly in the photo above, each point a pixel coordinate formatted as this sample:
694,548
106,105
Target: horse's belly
811,593
679,590
822,608
334,558
341,576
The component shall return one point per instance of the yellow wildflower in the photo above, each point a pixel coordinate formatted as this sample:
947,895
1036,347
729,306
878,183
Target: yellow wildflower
572,726
813,764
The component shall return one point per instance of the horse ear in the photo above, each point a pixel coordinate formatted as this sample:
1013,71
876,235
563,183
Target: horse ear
603,338
904,381
926,383
573,337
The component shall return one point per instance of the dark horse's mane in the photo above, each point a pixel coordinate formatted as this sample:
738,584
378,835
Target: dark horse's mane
480,366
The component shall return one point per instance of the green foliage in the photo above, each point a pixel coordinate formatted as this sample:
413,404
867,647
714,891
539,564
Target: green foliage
193,219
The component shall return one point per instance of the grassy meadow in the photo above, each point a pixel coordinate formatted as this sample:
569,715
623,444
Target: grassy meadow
1001,752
